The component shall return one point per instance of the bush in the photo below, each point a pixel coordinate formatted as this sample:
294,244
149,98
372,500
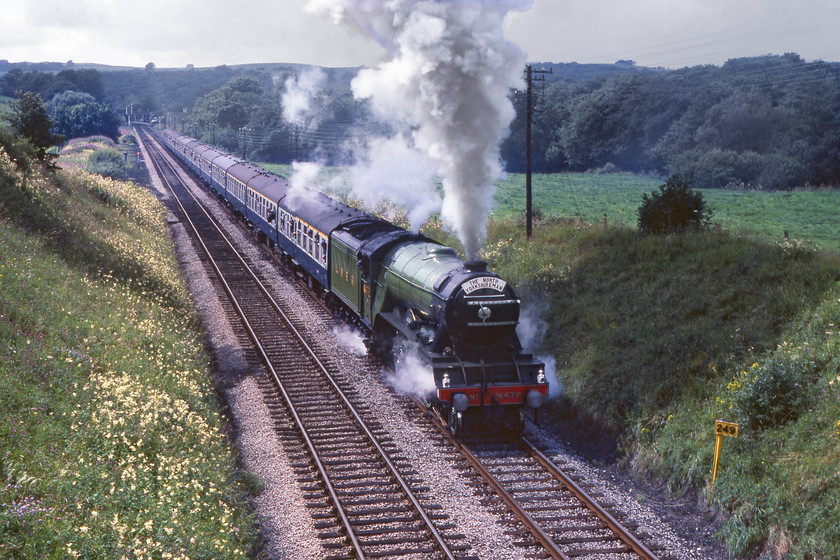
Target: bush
19,149
773,394
675,208
109,163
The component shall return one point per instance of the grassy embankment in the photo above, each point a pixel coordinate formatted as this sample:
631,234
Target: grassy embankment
112,444
657,337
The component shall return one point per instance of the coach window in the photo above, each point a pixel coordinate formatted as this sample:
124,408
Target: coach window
324,252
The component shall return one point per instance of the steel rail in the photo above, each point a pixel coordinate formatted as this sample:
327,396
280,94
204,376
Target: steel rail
532,526
349,406
623,534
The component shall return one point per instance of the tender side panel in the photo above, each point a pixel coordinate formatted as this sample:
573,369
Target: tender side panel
344,276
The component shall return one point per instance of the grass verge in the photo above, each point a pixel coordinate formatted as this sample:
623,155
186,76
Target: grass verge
112,444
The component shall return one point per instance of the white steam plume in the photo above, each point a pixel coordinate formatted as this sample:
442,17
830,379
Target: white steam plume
304,178
298,96
391,170
447,80
350,340
412,376
531,331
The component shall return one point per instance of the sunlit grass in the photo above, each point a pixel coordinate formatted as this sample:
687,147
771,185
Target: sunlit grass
111,444
808,216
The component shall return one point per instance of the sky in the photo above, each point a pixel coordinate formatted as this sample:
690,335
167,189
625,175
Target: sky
175,33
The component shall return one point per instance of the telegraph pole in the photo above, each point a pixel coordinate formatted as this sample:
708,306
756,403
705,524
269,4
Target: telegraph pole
529,110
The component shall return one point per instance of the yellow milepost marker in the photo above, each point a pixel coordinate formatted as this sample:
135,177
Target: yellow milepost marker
722,429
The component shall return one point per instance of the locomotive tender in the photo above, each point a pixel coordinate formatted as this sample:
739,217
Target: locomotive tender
407,292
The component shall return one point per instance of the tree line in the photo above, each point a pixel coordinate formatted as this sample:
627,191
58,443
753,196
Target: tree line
67,104
770,122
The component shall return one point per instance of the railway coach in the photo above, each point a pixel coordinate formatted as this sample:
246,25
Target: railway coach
407,292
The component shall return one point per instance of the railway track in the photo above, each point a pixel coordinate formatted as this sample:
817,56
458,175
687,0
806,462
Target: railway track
552,512
366,499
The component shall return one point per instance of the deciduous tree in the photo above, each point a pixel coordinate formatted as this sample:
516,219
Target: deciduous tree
29,118
78,114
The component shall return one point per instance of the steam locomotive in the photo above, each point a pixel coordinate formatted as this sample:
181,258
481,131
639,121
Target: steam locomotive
405,291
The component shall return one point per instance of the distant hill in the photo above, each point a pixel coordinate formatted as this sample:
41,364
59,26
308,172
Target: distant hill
575,72
561,70
6,66
151,88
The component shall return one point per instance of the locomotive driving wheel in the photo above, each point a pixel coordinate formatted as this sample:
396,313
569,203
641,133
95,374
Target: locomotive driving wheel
455,422
399,350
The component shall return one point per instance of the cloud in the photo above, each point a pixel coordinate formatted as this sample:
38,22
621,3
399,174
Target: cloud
675,33
671,33
173,34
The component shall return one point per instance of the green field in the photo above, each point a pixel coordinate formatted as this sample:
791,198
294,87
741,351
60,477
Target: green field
810,217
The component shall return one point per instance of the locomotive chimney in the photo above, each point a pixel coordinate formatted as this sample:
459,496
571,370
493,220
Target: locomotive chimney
475,266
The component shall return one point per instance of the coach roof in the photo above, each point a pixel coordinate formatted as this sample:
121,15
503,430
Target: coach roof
318,210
